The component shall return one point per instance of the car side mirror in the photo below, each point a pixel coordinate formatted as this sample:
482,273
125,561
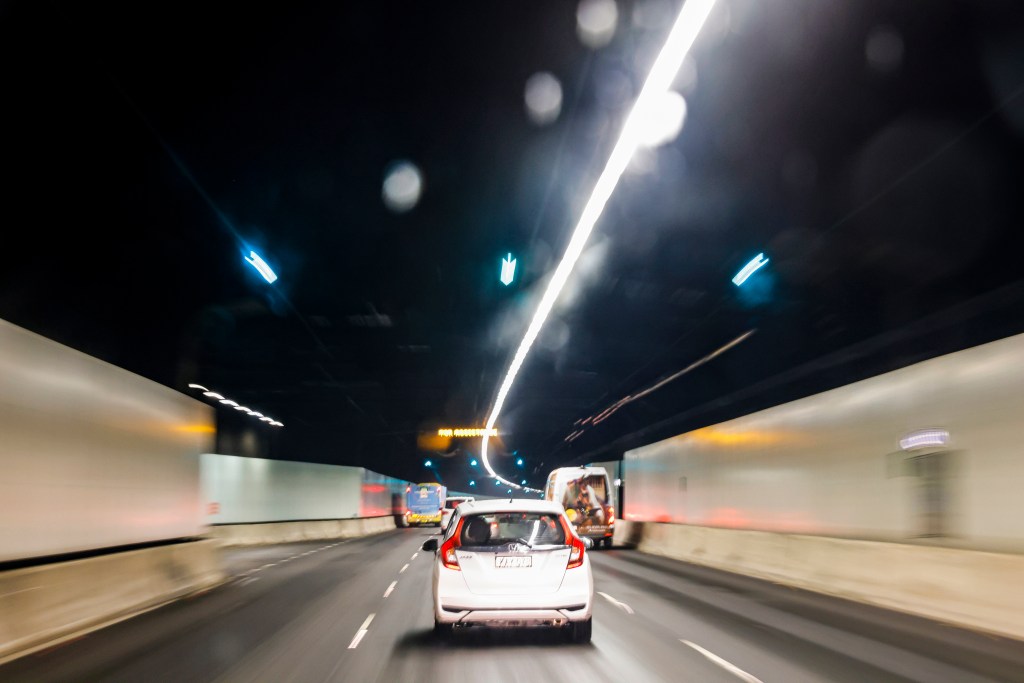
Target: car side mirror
588,542
429,545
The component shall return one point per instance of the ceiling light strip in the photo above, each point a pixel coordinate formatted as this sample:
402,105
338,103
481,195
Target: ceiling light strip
688,25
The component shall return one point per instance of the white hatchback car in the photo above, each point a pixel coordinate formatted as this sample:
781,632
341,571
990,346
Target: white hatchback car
512,563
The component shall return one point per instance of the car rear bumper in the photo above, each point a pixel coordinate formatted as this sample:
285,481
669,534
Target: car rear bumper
455,604
516,617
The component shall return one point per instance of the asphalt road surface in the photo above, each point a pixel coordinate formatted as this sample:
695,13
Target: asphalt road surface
359,610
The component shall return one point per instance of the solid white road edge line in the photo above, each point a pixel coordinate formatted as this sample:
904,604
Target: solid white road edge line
731,668
621,605
390,588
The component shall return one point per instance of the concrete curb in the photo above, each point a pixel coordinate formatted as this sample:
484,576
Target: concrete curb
965,588
42,605
266,533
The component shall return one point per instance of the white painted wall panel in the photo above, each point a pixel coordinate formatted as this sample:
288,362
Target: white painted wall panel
245,490
91,455
831,463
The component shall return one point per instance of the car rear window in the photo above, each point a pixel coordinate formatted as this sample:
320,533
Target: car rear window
501,528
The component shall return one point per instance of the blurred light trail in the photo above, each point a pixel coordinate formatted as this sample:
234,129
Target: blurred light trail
610,410
261,266
749,269
923,438
688,25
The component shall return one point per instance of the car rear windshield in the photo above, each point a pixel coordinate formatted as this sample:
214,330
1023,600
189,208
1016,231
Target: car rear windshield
501,528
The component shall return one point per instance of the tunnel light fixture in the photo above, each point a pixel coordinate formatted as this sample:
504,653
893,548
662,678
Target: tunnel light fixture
925,438
234,404
254,260
749,269
684,32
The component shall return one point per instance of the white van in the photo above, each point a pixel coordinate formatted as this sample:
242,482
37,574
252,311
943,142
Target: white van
586,495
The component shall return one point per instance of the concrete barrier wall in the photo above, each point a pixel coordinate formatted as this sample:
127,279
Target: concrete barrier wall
93,456
289,532
967,588
41,605
929,450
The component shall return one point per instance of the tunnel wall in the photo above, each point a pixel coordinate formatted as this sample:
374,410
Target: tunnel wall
92,455
240,490
832,464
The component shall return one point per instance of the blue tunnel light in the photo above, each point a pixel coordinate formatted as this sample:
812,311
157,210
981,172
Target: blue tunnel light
254,260
473,462
749,269
428,463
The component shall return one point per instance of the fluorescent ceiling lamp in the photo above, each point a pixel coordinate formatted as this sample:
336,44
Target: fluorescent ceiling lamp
260,265
228,402
242,408
212,394
691,18
929,438
749,269
197,386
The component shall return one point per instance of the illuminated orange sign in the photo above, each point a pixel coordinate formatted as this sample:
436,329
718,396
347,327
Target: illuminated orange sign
470,431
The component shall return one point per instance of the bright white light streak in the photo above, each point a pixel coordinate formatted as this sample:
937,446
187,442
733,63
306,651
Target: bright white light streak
728,666
229,402
197,386
261,266
213,394
688,25
749,269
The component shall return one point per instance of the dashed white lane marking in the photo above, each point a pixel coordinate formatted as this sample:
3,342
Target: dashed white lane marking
390,588
731,668
361,632
403,568
414,555
621,605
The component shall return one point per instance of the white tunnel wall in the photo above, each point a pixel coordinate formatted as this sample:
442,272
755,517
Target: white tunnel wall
92,455
832,463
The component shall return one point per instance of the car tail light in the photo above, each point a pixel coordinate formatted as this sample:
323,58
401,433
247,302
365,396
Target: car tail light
576,546
447,551
575,553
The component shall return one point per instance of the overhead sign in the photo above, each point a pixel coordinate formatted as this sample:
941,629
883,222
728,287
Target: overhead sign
472,431
508,270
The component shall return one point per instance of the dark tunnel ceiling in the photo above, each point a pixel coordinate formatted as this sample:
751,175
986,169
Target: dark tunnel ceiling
873,151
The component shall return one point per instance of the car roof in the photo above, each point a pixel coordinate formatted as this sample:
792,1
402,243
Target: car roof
511,504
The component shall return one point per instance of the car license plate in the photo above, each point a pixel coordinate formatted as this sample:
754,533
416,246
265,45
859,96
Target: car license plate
512,561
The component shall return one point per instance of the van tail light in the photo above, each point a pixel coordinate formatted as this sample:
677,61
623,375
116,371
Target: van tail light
611,516
575,553
447,551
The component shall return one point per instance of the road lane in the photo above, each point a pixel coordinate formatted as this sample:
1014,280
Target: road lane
359,610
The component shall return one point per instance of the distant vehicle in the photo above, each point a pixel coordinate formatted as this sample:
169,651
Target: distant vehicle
585,492
450,504
512,563
424,503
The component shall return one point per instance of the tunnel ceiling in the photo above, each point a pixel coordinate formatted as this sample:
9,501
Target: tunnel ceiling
871,151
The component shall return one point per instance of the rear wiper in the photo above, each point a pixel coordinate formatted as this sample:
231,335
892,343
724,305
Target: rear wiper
523,540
